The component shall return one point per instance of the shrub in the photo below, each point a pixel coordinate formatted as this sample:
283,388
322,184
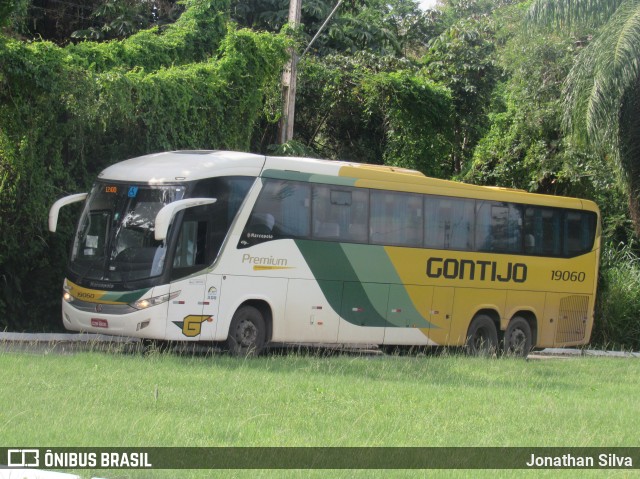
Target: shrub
66,113
618,306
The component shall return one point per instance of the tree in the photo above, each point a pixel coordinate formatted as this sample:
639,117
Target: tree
373,109
67,112
462,59
119,19
6,9
602,90
524,146
12,15
396,27
60,21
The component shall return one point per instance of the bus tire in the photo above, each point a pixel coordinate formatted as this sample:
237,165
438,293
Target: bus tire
518,338
247,332
482,337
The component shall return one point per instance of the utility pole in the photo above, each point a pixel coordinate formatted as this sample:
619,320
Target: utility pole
285,130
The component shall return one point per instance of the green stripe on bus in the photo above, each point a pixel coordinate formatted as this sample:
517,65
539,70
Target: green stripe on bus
367,275
373,265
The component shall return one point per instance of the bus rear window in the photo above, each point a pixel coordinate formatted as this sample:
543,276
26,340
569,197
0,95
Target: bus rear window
579,232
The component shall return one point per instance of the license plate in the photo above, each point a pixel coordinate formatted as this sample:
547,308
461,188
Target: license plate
99,323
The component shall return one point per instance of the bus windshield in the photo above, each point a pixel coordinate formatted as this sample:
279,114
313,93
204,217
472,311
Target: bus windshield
115,237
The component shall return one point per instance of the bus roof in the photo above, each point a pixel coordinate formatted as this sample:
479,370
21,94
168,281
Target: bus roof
180,166
190,165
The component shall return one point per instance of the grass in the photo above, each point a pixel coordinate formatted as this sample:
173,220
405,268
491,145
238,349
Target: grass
162,399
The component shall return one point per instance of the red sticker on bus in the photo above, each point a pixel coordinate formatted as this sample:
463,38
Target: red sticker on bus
99,323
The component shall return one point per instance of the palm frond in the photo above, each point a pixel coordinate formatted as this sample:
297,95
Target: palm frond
602,74
570,13
630,148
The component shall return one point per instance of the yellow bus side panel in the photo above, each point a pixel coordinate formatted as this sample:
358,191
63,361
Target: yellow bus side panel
467,303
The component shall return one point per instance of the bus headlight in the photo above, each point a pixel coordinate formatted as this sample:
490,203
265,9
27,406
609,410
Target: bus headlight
66,296
148,302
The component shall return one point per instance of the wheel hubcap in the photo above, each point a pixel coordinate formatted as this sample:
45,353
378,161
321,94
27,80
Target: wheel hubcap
247,333
481,340
518,340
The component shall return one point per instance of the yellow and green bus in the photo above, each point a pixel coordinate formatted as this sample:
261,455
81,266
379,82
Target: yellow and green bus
248,250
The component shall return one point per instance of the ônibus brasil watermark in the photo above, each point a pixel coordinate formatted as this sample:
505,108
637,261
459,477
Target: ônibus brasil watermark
321,458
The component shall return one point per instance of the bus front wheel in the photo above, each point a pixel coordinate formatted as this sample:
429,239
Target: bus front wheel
518,338
482,336
247,333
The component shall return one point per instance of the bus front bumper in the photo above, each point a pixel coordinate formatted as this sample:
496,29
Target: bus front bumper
147,323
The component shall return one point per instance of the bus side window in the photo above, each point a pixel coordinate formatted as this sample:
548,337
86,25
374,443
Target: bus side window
340,213
449,223
396,218
542,231
282,210
499,227
532,237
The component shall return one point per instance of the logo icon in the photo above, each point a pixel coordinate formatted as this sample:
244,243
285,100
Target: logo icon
212,294
192,324
23,458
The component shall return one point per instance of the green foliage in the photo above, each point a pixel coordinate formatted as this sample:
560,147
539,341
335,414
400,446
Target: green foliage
396,27
66,113
6,9
293,148
454,11
119,19
416,115
524,147
462,58
618,305
12,15
194,37
371,109
573,14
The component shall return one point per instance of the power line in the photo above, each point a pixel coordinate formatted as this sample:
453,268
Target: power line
322,27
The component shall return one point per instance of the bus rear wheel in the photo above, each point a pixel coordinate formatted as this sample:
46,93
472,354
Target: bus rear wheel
518,338
247,333
482,337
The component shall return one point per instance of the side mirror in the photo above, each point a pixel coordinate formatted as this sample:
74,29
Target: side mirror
166,214
55,209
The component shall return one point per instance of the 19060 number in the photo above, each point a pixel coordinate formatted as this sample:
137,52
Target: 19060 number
571,276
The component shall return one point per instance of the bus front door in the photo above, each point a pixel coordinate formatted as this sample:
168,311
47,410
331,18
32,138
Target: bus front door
186,310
